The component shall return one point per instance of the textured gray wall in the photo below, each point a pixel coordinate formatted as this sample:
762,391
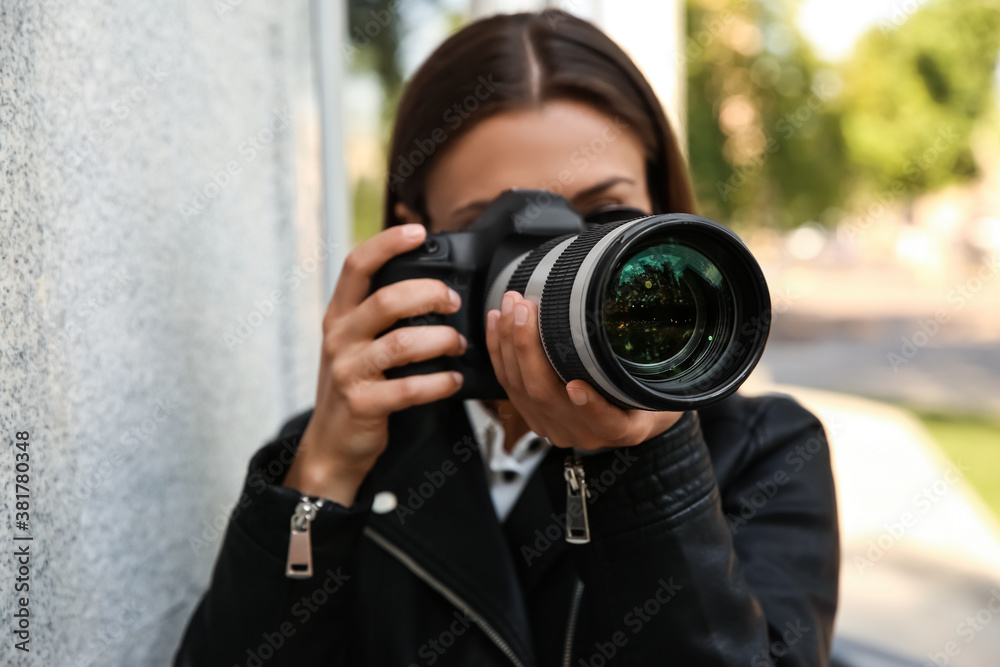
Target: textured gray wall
119,285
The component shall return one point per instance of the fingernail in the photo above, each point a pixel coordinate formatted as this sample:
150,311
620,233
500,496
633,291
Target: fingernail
578,396
491,319
520,314
463,343
506,304
455,299
457,377
413,230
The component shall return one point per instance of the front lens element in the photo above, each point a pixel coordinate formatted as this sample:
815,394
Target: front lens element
658,312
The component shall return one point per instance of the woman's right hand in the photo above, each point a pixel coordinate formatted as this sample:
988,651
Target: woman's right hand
348,429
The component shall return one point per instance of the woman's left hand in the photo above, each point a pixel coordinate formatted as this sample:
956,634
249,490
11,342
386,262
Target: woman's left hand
568,415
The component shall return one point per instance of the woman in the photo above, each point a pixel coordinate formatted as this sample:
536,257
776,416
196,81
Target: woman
436,525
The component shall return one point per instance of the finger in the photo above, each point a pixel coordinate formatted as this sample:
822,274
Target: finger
540,379
505,327
379,398
493,346
362,262
607,421
400,301
409,344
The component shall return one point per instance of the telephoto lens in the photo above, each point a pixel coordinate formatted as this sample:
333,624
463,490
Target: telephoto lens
660,312
656,312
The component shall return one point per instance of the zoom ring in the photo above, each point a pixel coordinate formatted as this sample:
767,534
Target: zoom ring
519,280
554,324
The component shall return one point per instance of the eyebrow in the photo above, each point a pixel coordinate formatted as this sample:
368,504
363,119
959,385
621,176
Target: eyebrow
592,190
603,185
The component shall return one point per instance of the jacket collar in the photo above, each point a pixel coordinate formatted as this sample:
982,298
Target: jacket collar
444,519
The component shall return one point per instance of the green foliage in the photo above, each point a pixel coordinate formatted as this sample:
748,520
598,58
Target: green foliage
374,30
898,115
783,166
972,442
366,205
913,94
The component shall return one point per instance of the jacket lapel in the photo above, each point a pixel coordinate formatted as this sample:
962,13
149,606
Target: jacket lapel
444,518
534,530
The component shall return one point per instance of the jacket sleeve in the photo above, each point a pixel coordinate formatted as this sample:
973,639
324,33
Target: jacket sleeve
253,614
675,569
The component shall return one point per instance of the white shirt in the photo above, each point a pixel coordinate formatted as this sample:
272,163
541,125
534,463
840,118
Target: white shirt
506,473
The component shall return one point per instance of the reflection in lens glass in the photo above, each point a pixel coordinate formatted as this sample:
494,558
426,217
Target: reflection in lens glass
655,308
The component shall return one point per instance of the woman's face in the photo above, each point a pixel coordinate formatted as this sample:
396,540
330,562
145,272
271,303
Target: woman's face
566,147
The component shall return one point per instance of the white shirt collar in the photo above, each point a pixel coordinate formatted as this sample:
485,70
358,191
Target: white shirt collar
506,473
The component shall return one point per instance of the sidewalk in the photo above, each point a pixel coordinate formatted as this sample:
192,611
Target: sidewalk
920,550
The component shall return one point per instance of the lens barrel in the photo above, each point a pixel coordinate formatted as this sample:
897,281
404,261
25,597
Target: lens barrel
664,312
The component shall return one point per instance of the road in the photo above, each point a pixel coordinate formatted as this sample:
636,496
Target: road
883,358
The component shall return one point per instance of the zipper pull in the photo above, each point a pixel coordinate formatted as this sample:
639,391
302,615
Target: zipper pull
299,564
577,526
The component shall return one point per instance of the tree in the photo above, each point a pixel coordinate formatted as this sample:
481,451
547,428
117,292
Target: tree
778,139
763,130
913,93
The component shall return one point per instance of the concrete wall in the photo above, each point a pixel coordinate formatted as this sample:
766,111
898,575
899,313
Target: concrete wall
141,346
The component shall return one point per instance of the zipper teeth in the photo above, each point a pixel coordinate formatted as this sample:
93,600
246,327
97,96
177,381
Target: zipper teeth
571,626
445,591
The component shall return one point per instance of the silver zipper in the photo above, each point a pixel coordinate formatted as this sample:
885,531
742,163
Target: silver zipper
577,526
449,595
571,626
299,565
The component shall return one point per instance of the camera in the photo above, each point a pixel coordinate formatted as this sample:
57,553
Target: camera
656,312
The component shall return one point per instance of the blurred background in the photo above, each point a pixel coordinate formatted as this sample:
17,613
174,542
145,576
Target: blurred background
182,184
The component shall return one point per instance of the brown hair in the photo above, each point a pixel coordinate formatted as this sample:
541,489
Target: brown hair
517,61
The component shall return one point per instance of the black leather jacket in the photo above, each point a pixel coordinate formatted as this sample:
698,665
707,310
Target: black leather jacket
713,543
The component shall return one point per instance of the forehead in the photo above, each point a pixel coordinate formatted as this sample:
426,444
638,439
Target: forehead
563,146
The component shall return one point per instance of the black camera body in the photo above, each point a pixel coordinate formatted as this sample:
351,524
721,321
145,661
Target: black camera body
469,261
